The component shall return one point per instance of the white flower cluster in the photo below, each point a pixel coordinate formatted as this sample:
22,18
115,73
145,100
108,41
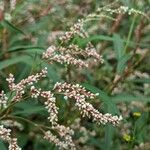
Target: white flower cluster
77,28
61,144
13,144
20,87
5,135
64,132
62,58
71,53
80,94
49,52
3,100
51,106
68,59
50,103
88,110
89,52
65,140
121,10
73,90
53,139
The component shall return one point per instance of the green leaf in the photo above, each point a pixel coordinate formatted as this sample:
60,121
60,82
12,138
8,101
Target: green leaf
11,27
122,58
122,63
52,72
22,139
141,121
28,107
142,80
126,97
130,32
29,111
140,130
118,46
2,146
27,48
97,38
109,131
100,37
14,60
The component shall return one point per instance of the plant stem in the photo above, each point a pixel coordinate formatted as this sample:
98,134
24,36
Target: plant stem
129,34
39,126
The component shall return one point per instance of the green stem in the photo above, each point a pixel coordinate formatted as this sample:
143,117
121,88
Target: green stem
3,114
130,33
39,126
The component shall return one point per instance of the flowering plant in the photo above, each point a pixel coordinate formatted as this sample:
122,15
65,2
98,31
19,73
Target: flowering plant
56,110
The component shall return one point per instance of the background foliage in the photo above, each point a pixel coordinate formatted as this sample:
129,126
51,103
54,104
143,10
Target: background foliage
123,80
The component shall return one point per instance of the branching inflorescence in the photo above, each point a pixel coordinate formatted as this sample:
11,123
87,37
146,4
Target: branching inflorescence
80,94
70,54
108,11
61,55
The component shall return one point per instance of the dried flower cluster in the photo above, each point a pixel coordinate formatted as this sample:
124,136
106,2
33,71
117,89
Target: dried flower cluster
86,134
5,135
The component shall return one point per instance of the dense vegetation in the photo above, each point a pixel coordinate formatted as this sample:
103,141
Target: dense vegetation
74,74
